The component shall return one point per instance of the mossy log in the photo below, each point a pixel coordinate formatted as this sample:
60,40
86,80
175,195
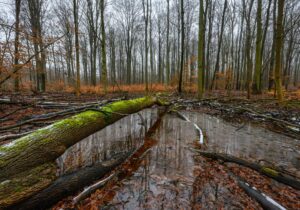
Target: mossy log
68,184
272,173
27,165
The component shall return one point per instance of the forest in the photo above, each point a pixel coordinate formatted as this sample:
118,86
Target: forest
149,104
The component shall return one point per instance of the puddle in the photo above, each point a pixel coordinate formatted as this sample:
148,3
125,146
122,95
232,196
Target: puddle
125,135
249,142
172,177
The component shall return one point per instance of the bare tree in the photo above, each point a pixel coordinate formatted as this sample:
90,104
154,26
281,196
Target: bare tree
103,48
279,42
75,11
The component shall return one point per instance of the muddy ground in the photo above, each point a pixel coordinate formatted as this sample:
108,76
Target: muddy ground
283,118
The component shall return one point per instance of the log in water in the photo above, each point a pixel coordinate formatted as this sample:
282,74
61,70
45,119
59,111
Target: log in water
27,165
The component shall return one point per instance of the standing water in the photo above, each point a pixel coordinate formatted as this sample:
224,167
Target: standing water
171,175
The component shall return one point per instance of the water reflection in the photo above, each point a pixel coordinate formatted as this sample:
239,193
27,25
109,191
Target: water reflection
249,142
164,180
125,135
171,177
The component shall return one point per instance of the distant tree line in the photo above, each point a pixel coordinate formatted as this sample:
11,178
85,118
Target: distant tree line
250,45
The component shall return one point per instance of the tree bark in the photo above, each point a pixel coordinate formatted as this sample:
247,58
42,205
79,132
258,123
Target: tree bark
27,164
279,44
201,45
17,40
217,66
168,45
182,47
75,11
258,55
103,49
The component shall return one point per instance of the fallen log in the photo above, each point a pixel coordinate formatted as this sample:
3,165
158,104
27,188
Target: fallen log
68,184
272,173
21,161
265,201
52,115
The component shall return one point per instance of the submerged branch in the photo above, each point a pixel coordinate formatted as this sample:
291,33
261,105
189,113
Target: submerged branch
272,173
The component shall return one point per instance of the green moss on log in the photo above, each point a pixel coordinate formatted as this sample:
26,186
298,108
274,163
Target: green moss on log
47,144
269,171
26,184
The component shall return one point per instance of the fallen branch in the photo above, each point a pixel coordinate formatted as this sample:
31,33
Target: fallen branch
272,173
12,112
13,136
265,201
52,115
89,190
268,117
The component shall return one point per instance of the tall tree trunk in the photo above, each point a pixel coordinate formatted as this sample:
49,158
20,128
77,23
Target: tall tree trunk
103,49
279,44
272,62
182,47
17,34
217,66
75,11
211,14
146,19
201,50
168,44
258,56
248,50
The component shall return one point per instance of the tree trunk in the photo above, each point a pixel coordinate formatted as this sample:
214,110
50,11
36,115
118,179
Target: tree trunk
103,49
168,44
75,10
201,45
258,55
217,66
182,48
271,70
248,50
17,34
279,43
27,164
146,18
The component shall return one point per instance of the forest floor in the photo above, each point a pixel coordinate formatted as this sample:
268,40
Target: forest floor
23,113
263,110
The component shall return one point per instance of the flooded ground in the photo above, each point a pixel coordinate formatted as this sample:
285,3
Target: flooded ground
249,142
123,136
170,175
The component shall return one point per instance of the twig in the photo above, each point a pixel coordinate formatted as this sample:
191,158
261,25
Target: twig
12,112
89,190
53,115
13,136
